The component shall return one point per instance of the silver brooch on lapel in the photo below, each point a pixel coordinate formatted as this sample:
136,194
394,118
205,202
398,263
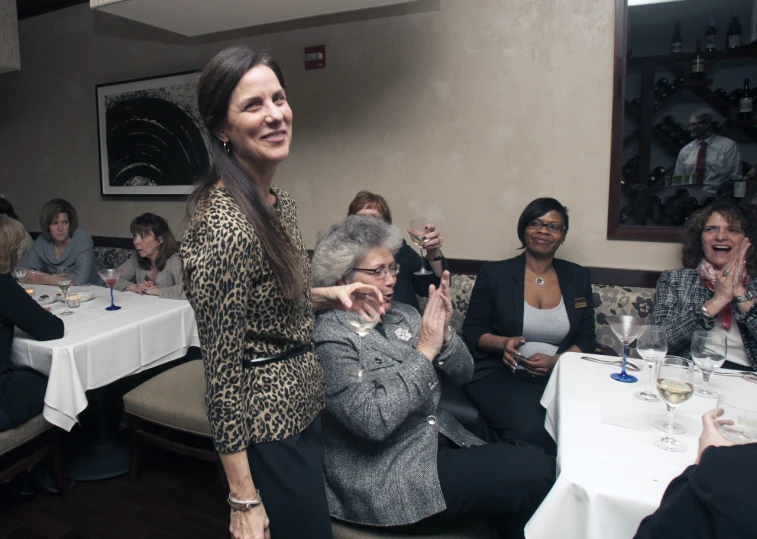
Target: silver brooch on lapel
402,334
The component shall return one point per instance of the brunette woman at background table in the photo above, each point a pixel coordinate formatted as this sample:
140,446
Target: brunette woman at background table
22,391
155,267
523,314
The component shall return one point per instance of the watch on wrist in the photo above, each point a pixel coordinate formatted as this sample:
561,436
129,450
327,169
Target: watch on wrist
435,258
706,313
743,298
244,505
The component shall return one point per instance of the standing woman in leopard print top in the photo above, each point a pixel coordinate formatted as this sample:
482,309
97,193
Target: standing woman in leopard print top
247,276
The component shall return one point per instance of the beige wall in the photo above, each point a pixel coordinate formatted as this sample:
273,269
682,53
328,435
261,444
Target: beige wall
462,111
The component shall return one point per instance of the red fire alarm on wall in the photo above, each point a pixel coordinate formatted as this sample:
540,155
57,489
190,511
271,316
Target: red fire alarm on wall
315,57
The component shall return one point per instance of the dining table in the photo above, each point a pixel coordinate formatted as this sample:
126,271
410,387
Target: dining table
609,474
100,347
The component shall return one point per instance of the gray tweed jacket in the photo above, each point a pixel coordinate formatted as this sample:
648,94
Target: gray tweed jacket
381,436
677,306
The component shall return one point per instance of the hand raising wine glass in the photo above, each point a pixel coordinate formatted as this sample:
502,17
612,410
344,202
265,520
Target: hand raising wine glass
363,317
675,383
417,228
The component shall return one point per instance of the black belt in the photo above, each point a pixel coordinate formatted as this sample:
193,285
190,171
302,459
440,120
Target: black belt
248,363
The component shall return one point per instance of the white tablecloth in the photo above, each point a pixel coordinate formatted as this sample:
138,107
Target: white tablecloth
609,477
100,347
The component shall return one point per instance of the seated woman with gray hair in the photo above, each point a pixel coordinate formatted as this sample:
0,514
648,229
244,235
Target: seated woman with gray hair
394,458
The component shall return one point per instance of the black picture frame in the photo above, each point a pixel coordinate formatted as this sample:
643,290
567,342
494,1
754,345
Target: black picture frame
150,136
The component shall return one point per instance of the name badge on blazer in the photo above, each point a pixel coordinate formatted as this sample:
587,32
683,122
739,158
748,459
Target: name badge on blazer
581,303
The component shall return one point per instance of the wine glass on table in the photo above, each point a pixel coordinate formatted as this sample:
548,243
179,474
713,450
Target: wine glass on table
708,350
675,384
417,228
64,282
110,276
19,273
652,347
363,318
627,329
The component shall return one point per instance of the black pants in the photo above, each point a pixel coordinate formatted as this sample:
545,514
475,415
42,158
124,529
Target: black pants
502,483
289,475
509,402
22,396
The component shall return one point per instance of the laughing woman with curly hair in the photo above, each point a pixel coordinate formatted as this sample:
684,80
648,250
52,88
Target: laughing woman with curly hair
714,290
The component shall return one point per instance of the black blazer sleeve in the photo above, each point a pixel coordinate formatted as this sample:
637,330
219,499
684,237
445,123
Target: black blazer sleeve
19,309
585,338
421,282
481,311
712,499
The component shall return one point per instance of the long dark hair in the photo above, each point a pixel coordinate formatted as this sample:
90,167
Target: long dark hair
746,216
149,222
217,82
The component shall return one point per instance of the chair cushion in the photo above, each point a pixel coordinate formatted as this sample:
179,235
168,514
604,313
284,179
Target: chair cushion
613,300
344,530
174,399
12,438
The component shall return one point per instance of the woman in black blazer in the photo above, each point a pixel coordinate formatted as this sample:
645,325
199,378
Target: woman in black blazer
524,312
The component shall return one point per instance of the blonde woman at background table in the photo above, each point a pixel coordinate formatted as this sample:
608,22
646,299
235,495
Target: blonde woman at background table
22,391
61,247
155,268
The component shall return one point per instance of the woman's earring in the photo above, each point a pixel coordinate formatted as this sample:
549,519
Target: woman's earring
227,148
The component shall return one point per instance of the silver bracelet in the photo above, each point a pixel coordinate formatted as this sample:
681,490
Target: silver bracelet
244,505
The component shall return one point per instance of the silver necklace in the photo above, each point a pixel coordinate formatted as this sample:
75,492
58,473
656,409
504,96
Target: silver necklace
539,280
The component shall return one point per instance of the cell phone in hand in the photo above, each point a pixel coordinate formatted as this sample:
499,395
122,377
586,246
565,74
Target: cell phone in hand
519,358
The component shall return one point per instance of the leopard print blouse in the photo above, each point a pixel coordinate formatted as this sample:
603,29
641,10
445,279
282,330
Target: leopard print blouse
241,312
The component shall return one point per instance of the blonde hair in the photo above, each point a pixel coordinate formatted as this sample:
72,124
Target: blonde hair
11,236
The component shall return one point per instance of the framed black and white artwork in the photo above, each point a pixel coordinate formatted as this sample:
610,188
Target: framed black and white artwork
150,135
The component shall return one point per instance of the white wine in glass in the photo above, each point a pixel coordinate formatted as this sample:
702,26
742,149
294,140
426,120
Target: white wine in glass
675,384
64,283
417,231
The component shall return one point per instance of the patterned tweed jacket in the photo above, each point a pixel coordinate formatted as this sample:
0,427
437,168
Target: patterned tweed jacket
677,306
381,435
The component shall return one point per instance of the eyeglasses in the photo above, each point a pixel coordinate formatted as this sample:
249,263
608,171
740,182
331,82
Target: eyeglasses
382,271
536,224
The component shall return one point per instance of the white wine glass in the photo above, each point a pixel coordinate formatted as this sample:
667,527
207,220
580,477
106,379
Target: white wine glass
363,317
708,350
417,228
627,329
652,347
675,384
110,276
64,282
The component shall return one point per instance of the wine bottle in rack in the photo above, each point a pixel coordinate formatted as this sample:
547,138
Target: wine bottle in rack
676,46
746,102
697,63
711,37
733,40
